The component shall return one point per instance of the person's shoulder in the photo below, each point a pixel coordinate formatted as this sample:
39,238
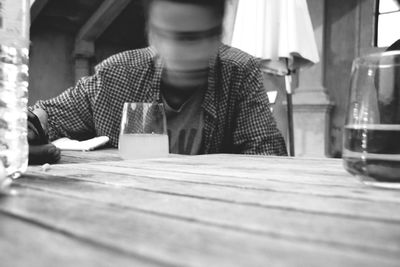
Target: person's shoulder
235,57
138,58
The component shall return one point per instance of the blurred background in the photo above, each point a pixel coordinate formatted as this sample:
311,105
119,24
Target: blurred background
69,37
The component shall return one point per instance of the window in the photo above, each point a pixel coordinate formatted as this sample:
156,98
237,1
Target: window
387,21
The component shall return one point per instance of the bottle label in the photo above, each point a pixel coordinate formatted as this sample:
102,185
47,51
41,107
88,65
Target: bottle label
14,22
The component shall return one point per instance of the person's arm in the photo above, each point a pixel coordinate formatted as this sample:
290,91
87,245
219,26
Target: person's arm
71,113
256,131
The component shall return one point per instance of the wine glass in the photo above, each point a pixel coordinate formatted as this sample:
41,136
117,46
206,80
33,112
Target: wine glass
143,131
371,143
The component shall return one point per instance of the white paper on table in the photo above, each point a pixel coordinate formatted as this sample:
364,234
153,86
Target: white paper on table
90,144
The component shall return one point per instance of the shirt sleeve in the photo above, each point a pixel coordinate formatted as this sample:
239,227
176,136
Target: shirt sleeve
71,113
256,131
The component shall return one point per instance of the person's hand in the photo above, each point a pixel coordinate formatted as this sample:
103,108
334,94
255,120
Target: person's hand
40,150
36,134
46,153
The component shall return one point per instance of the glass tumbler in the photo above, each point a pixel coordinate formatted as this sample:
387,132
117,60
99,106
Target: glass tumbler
143,131
371,143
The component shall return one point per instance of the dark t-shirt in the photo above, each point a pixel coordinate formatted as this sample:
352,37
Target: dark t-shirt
185,125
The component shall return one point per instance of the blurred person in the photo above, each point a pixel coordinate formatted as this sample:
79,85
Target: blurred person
213,94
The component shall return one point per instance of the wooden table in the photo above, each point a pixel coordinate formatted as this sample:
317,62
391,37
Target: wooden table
214,210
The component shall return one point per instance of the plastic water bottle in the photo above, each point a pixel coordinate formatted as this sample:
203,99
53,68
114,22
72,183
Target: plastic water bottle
14,50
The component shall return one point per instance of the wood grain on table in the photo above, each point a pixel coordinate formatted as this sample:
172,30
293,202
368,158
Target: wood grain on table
211,210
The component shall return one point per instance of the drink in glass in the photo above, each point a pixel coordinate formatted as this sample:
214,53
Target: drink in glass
371,143
143,131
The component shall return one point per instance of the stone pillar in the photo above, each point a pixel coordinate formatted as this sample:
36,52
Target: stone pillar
83,53
82,67
311,104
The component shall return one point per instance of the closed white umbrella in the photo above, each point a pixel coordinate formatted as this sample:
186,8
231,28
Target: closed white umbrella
280,32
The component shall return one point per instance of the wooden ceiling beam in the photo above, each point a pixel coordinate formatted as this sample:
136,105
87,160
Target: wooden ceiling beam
101,19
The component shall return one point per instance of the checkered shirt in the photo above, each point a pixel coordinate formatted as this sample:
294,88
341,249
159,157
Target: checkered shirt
236,114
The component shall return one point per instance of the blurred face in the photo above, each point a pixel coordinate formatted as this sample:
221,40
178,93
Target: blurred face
186,36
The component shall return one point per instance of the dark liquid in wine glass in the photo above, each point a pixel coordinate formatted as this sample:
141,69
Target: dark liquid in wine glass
373,152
